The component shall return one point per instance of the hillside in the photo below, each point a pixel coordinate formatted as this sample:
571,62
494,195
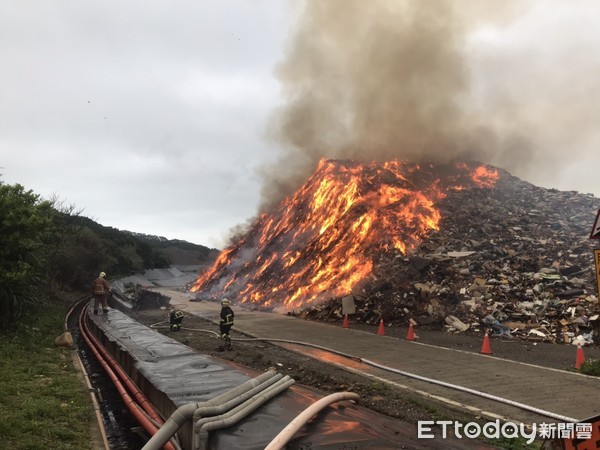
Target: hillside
179,252
89,247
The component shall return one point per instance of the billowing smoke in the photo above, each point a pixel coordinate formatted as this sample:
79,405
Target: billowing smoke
422,80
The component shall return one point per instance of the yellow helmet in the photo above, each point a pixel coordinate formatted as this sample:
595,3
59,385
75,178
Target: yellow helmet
102,275
225,302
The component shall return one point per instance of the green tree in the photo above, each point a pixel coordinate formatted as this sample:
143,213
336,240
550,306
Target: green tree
25,222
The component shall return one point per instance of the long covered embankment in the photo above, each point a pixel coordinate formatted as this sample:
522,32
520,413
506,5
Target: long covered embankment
213,403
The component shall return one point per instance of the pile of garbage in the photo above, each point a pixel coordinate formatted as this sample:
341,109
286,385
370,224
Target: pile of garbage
515,260
139,298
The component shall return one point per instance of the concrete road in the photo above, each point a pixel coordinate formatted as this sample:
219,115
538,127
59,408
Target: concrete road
482,385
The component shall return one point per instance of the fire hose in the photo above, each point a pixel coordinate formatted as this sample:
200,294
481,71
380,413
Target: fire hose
147,422
400,372
295,425
187,411
88,383
409,375
232,406
126,380
231,417
227,406
422,378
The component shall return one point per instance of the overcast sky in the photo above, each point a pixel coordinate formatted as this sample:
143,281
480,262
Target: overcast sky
151,116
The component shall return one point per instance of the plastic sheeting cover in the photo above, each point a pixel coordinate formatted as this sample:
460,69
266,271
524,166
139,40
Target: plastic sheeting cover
186,376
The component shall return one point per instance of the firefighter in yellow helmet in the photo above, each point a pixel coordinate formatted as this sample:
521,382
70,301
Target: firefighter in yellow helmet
175,319
100,292
226,323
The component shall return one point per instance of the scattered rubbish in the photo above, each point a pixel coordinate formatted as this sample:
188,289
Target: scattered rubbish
498,328
455,322
518,253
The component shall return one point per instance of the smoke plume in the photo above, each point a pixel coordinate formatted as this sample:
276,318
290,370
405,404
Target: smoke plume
416,81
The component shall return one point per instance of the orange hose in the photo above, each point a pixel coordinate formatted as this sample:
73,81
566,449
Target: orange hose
133,407
126,379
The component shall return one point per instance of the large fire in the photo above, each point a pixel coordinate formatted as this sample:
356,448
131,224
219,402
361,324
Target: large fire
321,241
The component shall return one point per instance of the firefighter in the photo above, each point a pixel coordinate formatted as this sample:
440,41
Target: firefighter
225,324
175,319
100,291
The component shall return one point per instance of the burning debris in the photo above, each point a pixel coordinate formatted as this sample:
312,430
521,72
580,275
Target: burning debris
515,259
464,246
324,240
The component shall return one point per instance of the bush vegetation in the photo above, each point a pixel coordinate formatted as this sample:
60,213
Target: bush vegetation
49,254
48,248
591,367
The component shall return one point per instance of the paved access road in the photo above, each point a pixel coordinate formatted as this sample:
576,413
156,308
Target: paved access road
562,394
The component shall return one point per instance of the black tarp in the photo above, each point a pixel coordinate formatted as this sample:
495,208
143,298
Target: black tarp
185,376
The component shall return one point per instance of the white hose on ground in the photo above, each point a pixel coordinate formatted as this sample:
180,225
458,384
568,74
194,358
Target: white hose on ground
203,331
236,414
158,325
429,380
292,428
207,412
419,377
474,392
213,410
186,412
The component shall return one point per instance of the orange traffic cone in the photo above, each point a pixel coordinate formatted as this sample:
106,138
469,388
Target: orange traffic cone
345,324
381,330
410,336
486,349
580,358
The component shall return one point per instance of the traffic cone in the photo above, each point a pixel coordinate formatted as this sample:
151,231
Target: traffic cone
486,349
580,358
381,330
410,336
345,324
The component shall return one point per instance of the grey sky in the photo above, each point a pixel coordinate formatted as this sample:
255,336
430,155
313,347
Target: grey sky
151,116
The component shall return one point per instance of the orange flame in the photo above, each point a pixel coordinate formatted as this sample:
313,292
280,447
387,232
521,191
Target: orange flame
321,241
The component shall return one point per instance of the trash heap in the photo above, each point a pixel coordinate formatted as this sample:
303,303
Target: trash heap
139,298
516,260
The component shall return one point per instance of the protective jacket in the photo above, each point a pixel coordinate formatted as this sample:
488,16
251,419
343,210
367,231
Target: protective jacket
226,315
100,287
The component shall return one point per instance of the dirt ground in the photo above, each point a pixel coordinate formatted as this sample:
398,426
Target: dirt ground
384,399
